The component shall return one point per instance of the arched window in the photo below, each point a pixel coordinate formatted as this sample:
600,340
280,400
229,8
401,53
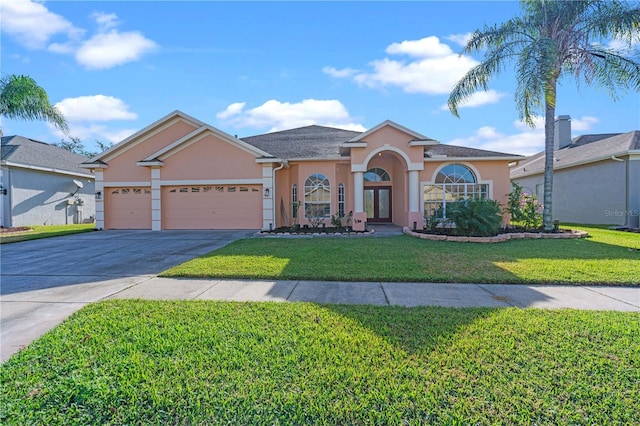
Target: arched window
377,175
317,196
454,182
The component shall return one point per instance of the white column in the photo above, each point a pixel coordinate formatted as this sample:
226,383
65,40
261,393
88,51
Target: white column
268,218
358,192
414,183
99,187
156,206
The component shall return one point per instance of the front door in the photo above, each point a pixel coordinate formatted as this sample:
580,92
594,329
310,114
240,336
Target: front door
377,204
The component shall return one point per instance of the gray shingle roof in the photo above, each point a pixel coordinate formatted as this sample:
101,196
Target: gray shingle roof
304,142
462,152
324,142
583,149
29,152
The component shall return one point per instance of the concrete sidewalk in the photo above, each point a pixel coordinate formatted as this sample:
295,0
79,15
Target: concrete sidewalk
30,311
387,293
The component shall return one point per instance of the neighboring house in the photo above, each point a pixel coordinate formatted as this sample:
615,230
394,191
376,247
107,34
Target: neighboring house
43,184
180,173
596,178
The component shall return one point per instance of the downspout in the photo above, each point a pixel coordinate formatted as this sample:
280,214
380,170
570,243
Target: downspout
626,189
282,165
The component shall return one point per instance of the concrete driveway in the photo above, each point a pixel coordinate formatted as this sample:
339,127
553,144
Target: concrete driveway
44,281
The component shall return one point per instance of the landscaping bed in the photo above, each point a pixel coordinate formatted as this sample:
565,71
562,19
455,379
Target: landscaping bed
449,234
307,230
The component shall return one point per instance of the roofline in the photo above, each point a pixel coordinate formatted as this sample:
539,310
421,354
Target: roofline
487,158
46,169
319,158
400,127
175,113
578,163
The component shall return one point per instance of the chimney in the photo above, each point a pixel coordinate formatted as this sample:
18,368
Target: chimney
562,133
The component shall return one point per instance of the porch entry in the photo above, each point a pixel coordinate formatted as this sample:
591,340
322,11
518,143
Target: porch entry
377,204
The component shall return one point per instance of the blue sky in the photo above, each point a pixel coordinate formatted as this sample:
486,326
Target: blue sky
252,67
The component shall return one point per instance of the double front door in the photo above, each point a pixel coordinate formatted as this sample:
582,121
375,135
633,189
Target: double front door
377,204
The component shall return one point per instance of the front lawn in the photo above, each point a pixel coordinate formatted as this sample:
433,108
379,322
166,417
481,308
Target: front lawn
196,362
606,257
39,231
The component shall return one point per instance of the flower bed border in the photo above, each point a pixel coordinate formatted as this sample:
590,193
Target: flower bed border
500,238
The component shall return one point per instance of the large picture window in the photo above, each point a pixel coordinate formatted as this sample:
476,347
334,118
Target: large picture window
454,182
317,196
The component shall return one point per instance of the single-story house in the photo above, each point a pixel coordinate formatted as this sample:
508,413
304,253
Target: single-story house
181,173
596,178
42,184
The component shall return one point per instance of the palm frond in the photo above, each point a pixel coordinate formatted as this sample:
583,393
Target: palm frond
22,98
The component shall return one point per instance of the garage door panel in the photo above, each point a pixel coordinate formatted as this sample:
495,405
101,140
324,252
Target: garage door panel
212,207
127,208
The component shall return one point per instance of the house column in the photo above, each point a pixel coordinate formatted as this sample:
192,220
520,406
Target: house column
156,207
414,200
268,195
359,215
99,187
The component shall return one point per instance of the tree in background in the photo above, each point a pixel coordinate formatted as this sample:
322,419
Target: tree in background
75,145
21,98
555,39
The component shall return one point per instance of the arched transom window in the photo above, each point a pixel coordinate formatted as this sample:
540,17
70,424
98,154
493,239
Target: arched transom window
454,182
317,196
377,175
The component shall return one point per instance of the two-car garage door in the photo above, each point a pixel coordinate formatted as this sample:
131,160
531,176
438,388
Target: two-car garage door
212,207
186,207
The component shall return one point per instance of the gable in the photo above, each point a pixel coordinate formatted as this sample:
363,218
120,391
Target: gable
121,164
208,156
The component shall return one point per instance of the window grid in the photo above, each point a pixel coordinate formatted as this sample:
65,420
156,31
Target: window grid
294,200
317,197
341,199
454,182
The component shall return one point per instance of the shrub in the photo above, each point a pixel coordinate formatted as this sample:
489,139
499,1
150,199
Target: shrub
524,208
475,218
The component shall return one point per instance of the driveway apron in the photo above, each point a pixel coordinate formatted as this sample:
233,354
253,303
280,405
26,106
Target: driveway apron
44,281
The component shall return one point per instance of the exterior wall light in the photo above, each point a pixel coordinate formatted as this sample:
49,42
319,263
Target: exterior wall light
266,192
3,190
98,195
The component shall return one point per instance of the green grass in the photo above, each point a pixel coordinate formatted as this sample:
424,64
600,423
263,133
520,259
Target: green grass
606,257
38,232
190,362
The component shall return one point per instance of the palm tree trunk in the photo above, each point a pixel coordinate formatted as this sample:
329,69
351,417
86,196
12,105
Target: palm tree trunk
549,130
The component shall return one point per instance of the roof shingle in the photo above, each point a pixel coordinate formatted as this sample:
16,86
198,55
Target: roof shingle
28,152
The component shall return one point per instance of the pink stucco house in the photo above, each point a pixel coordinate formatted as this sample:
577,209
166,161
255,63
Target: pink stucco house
181,173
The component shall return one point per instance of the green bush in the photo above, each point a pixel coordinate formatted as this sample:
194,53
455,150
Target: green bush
475,218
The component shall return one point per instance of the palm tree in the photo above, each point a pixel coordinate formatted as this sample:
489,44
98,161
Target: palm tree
555,39
22,98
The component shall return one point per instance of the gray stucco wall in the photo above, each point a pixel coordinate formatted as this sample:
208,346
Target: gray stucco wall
633,210
591,194
40,198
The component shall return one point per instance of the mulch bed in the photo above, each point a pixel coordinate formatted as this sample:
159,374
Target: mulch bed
15,229
311,231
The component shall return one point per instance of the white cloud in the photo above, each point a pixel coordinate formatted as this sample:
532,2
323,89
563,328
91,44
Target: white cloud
527,141
434,70
334,72
478,99
428,47
90,133
460,39
278,115
105,21
33,25
107,50
95,108
233,109
585,123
